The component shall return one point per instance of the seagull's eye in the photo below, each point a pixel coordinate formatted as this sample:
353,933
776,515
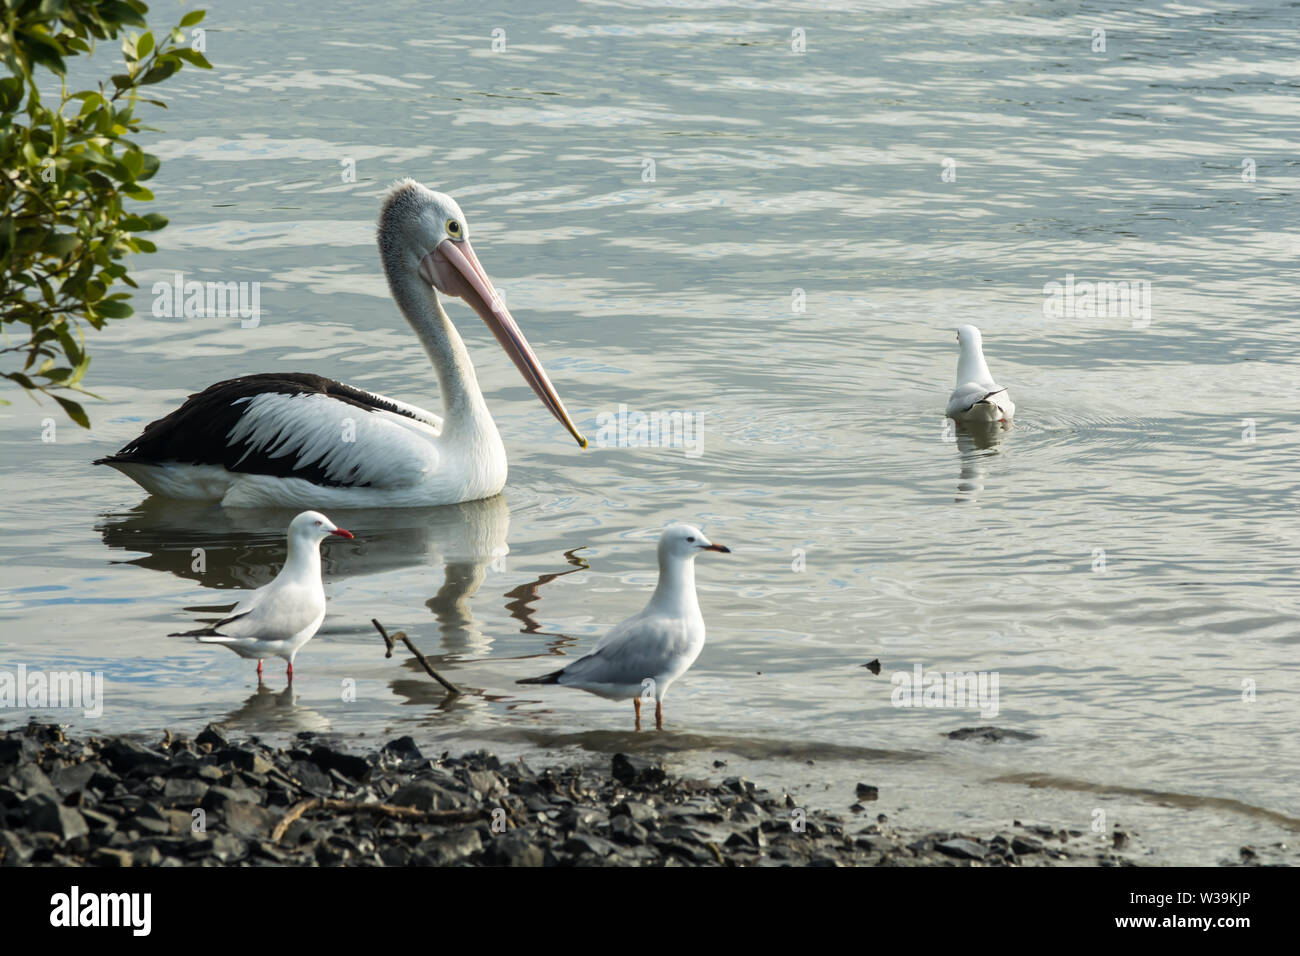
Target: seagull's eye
691,540
453,228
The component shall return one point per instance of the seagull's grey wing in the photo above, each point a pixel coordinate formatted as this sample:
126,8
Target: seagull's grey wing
965,397
638,648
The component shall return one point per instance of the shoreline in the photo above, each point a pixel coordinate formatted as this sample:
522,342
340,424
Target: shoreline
116,801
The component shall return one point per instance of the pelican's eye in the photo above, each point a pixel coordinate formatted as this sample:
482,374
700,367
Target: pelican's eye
453,228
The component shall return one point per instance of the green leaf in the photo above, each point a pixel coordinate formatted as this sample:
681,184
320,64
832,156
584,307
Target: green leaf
144,46
114,309
193,17
73,410
192,56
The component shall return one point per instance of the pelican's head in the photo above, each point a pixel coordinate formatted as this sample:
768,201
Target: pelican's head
424,233
686,541
314,527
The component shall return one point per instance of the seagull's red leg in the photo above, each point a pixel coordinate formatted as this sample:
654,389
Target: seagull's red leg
659,715
636,703
291,672
259,667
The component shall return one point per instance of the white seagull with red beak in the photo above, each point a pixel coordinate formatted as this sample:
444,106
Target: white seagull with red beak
642,656
278,619
294,439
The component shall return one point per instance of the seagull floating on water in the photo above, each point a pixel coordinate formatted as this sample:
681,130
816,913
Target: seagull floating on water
278,619
650,650
298,440
977,399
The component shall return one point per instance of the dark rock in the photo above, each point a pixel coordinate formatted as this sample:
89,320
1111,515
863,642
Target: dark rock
248,820
30,779
586,843
309,777
627,830
427,795
13,851
641,813
107,857
962,849
228,848
866,791
355,768
637,771
515,848
76,777
15,749
219,798
127,756
183,793
403,748
47,815
213,736
990,734
444,850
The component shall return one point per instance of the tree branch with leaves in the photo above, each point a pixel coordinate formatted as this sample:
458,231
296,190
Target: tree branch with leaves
68,172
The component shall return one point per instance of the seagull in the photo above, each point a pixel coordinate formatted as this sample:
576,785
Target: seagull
977,399
650,650
278,619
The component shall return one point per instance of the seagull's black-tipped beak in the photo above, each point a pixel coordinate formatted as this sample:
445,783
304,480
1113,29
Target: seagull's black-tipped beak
722,548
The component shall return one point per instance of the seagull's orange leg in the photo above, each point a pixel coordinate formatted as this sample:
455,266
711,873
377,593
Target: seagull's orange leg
659,715
636,703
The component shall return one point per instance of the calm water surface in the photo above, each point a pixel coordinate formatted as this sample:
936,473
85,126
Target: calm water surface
859,532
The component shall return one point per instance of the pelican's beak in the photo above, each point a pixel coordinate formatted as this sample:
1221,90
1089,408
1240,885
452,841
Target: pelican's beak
457,272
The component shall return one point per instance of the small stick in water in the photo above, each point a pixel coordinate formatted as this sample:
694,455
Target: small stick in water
401,636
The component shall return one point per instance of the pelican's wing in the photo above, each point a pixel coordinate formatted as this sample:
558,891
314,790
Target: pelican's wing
291,425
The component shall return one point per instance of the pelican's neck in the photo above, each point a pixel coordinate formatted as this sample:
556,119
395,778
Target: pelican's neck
675,594
303,560
464,408
971,366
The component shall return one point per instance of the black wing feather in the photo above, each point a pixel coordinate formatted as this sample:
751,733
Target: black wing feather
196,433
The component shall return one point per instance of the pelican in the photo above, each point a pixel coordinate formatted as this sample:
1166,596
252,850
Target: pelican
977,400
301,440
649,650
278,619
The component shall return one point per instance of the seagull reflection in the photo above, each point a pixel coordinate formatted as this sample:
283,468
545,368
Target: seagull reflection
974,444
268,711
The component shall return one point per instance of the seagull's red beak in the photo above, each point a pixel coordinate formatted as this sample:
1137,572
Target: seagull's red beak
343,533
457,272
721,548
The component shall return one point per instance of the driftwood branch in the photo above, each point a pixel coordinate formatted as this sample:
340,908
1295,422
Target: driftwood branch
401,636
383,809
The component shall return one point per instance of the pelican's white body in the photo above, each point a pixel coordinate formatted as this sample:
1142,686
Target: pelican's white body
977,399
278,619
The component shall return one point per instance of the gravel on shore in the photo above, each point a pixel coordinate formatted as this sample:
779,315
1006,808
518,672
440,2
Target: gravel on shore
212,801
